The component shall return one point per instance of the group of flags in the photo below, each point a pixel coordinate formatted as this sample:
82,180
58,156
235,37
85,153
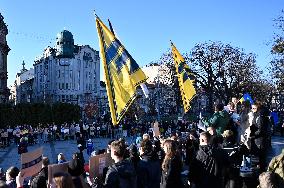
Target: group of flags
123,75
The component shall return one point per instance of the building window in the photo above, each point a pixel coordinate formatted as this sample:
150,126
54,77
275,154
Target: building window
67,86
58,74
71,72
63,86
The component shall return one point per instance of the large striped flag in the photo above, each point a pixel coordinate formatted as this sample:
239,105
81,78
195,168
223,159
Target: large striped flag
122,73
185,78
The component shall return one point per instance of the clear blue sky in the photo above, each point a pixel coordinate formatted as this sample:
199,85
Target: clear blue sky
144,27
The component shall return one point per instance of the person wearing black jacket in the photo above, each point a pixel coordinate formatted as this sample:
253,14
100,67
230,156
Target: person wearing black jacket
171,167
40,180
148,168
208,167
259,133
122,173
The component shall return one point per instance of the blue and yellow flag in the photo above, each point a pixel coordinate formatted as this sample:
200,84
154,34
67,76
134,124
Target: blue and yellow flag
122,73
246,97
185,77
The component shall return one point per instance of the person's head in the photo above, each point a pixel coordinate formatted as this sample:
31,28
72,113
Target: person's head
254,107
219,107
145,147
170,148
45,162
63,180
118,150
204,138
146,137
234,100
231,106
211,130
61,157
12,173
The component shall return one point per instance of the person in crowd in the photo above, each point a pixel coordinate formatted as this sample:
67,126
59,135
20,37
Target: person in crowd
171,167
80,154
23,146
148,169
63,180
206,169
81,140
11,175
191,146
122,173
40,181
215,140
270,180
90,147
76,170
133,155
158,150
258,134
219,120
276,164
61,158
146,137
244,120
228,138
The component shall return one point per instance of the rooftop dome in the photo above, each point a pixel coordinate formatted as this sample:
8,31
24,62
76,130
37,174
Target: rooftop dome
65,44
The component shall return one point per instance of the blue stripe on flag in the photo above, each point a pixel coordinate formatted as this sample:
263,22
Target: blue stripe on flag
120,61
111,51
32,163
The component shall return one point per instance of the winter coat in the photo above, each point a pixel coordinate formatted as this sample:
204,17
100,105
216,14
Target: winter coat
40,180
219,121
207,168
172,177
121,175
148,172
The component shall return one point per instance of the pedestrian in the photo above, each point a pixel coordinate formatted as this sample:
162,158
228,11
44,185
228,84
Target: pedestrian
172,166
122,173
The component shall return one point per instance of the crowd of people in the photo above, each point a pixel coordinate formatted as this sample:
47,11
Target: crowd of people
210,153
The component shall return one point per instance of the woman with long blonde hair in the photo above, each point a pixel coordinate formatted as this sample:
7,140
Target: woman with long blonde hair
171,166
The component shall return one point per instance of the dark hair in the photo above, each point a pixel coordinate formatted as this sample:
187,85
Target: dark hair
206,134
146,146
13,172
219,106
45,161
119,148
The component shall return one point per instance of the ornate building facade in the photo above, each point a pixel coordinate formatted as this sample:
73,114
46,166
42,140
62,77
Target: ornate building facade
67,73
4,50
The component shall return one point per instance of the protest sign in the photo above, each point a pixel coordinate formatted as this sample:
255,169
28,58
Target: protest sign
98,163
31,162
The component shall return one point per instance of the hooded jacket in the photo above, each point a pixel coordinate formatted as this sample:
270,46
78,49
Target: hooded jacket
121,175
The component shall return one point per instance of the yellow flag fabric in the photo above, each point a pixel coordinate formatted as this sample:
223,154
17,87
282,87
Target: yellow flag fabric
122,73
185,78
